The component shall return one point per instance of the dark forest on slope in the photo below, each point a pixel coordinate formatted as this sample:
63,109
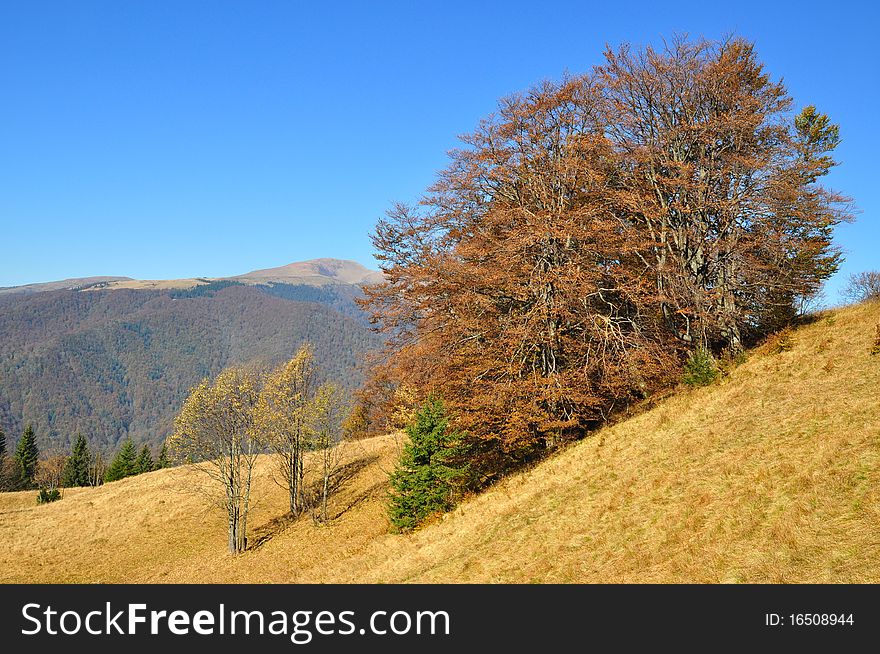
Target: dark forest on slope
118,363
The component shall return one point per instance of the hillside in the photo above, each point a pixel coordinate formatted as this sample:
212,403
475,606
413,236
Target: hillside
772,475
113,363
76,283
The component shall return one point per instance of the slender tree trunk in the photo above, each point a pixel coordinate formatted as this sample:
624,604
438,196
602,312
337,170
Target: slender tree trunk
292,487
326,484
233,528
300,475
245,508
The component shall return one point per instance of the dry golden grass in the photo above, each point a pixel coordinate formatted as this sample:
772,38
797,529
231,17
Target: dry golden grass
162,527
771,476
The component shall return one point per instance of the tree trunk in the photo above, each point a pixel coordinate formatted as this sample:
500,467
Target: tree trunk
292,486
326,488
300,479
233,531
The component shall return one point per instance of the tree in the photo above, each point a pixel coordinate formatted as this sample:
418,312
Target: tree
50,471
329,414
7,474
144,462
163,461
594,233
863,286
284,413
97,470
722,180
515,291
26,456
425,480
76,469
216,427
124,463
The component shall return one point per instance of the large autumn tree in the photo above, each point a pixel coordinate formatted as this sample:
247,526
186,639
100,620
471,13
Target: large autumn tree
723,180
592,231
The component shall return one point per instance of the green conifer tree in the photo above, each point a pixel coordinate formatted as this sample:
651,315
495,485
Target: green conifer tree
144,461
123,464
163,461
6,477
26,456
76,470
426,478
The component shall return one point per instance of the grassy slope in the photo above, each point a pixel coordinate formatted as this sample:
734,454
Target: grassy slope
162,527
772,476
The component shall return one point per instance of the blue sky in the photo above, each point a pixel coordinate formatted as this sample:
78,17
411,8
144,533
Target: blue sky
176,139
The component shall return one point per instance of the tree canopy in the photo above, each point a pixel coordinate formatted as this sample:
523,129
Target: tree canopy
124,463
593,233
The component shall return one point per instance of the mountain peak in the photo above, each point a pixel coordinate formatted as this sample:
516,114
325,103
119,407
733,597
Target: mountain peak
315,271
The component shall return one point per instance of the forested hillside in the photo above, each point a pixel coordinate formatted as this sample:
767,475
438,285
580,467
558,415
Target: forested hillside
118,363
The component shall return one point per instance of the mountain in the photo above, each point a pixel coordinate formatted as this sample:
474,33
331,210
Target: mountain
771,475
77,283
318,272
114,358
315,272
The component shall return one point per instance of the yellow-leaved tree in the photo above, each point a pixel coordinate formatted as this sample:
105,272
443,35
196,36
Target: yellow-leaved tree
329,415
284,413
216,428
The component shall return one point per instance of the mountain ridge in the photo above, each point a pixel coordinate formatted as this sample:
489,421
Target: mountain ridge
115,359
72,284
325,271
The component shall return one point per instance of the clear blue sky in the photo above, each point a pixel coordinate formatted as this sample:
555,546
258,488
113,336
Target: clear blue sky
175,139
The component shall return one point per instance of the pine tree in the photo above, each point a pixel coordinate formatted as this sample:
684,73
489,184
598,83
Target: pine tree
123,463
26,456
163,461
76,470
144,461
425,480
6,477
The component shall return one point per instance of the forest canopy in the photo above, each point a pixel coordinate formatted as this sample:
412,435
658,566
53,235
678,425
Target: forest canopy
593,233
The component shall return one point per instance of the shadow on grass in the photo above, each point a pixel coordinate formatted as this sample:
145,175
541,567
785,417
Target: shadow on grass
338,479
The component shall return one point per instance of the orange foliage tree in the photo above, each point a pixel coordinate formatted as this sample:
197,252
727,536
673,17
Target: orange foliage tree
594,230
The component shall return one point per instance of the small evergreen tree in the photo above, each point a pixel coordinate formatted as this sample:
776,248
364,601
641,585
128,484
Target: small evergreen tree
425,480
701,368
144,461
2,444
26,456
76,470
123,464
163,461
48,495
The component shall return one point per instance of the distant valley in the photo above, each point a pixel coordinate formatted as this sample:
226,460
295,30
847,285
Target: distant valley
114,357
